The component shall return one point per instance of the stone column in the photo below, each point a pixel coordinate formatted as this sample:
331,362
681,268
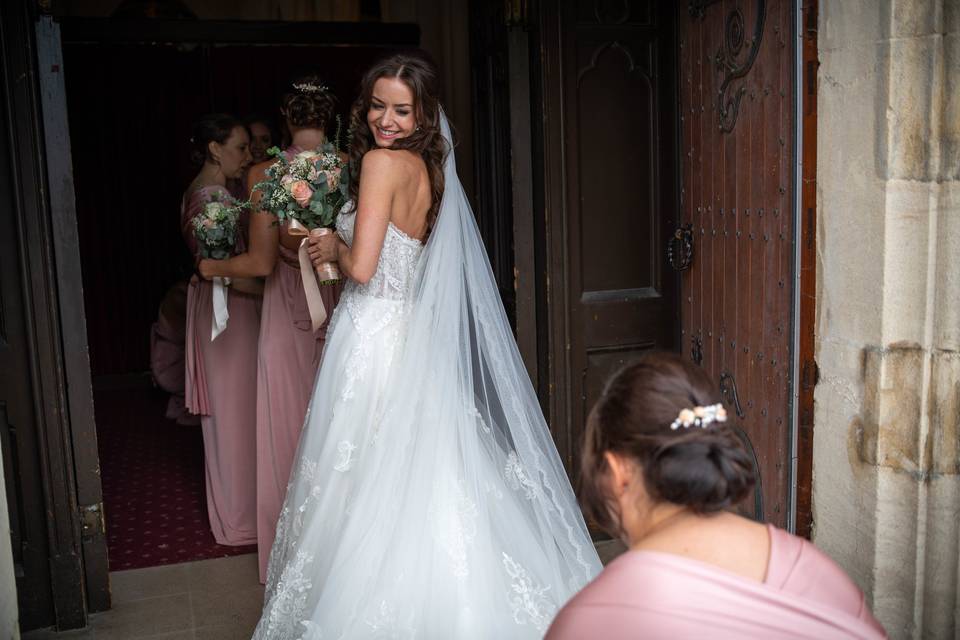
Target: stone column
886,464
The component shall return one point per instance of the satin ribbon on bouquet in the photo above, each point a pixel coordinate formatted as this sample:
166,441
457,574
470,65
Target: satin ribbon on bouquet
311,286
220,312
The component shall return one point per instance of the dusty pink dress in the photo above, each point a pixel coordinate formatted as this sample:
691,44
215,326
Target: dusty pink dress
289,358
220,386
644,594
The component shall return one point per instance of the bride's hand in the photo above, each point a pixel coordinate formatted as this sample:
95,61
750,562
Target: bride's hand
323,248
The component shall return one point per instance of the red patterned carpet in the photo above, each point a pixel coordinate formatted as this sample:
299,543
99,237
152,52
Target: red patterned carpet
153,485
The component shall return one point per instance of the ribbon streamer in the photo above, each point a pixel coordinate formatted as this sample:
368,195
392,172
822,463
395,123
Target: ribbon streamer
220,312
311,287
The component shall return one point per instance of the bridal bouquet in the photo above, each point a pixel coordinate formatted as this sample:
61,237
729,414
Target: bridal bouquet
306,192
308,189
216,229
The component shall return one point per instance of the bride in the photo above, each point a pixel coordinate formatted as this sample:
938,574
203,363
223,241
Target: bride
427,499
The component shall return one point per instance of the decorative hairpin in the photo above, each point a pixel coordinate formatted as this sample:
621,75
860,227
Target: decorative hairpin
700,417
309,87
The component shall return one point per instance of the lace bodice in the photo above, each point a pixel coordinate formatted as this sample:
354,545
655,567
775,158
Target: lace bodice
397,264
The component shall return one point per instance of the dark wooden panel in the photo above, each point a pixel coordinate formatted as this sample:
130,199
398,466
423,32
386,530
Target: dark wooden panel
155,30
616,12
737,129
616,120
490,64
72,318
613,287
32,368
808,275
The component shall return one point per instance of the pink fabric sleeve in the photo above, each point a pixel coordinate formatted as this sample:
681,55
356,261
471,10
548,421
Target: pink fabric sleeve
797,567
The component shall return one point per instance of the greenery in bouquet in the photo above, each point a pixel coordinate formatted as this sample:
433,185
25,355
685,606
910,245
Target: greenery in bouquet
309,187
216,228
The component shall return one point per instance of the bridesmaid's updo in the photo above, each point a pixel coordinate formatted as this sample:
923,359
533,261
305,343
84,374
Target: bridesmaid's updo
309,103
213,127
706,470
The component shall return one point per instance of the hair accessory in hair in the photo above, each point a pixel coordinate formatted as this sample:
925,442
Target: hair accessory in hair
700,417
309,87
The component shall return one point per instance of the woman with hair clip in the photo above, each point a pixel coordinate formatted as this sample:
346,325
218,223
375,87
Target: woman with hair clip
289,348
221,373
660,470
427,499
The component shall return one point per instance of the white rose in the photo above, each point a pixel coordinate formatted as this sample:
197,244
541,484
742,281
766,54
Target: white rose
214,209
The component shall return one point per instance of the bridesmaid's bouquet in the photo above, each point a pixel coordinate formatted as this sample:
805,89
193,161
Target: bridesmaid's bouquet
216,229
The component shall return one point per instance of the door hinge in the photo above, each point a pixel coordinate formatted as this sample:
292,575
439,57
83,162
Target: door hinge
91,521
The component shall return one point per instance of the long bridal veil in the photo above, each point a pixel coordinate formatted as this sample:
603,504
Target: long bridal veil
458,520
462,359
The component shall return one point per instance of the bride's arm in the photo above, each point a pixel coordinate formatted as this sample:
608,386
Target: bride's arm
378,184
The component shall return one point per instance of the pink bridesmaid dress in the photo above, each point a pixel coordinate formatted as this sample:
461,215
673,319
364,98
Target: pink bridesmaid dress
654,595
289,358
220,386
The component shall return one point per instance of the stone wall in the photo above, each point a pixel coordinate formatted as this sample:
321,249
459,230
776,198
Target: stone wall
886,451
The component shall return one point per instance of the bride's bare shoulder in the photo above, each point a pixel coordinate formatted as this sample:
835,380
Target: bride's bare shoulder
388,164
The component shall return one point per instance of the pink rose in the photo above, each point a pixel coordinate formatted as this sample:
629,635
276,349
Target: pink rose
286,181
301,192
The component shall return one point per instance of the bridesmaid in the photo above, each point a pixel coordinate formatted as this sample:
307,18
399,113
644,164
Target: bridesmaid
289,349
221,374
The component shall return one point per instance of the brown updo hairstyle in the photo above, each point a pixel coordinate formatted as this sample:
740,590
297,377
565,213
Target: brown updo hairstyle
419,73
308,104
213,127
706,470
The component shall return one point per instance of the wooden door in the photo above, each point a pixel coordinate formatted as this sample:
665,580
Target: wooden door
18,437
73,325
737,209
609,141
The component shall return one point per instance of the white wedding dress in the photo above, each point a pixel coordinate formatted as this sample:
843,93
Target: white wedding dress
427,499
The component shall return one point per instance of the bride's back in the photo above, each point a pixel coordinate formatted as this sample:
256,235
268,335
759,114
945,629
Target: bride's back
412,199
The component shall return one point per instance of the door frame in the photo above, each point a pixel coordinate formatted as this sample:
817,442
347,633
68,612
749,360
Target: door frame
806,371
66,248
51,353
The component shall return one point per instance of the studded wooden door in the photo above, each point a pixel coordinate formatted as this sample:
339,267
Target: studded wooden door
735,245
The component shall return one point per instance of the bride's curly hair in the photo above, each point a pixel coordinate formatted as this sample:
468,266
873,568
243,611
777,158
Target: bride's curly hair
419,73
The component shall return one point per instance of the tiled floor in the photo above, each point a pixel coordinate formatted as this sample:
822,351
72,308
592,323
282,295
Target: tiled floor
205,600
216,599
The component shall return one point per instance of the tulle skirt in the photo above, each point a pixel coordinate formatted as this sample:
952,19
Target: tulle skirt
395,528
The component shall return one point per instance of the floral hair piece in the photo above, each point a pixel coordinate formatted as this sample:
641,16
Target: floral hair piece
700,417
309,87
